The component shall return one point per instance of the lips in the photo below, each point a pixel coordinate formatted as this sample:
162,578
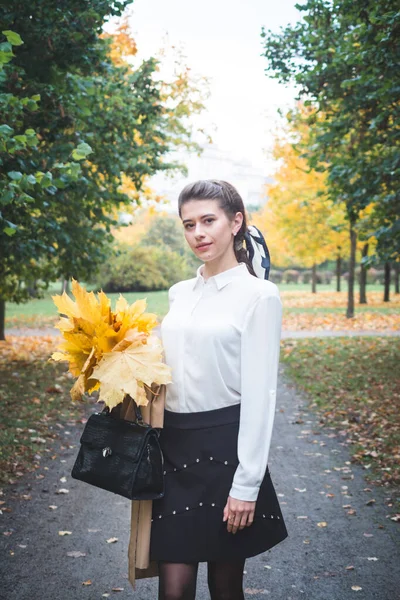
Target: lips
203,246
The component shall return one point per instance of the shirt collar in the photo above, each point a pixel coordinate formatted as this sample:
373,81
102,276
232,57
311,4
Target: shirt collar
221,279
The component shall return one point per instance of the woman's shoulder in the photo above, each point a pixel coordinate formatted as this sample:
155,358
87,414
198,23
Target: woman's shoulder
183,284
179,287
257,287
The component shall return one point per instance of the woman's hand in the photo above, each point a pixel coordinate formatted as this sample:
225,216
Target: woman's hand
238,513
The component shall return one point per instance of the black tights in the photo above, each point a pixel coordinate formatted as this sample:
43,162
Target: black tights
178,580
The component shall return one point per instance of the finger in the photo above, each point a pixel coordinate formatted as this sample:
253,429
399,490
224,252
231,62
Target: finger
243,521
226,512
236,523
250,518
230,523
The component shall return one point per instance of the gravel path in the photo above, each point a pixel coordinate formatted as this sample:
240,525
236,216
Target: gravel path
341,530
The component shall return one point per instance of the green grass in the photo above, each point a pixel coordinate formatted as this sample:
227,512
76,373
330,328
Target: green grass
43,312
354,386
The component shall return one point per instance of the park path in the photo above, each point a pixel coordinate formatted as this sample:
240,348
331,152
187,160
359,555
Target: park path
302,333
343,542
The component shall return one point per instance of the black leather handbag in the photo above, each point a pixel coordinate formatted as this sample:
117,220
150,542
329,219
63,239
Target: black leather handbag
121,456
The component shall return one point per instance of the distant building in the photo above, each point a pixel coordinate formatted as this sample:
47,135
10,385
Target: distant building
214,163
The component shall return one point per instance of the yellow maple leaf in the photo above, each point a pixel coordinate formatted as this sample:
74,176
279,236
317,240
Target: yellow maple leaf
133,316
125,372
73,354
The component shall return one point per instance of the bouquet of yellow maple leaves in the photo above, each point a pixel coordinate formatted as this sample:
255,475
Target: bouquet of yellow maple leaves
114,352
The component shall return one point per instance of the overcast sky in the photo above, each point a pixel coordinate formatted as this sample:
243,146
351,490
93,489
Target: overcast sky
221,39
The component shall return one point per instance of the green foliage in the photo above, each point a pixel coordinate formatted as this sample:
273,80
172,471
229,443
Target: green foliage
138,268
25,192
62,100
343,56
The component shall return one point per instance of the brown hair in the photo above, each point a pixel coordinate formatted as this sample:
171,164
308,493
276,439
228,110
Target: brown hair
229,200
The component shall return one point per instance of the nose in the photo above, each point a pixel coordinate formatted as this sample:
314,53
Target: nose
198,230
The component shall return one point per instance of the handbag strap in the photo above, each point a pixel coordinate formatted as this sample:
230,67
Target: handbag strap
138,413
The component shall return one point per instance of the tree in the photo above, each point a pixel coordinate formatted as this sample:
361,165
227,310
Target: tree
307,224
27,240
85,101
343,55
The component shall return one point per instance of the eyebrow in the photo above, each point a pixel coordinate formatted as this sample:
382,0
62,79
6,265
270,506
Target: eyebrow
202,217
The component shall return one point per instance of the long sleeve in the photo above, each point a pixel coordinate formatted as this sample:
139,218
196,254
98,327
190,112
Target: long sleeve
260,349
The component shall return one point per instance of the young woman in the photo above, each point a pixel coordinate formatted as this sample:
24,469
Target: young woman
221,338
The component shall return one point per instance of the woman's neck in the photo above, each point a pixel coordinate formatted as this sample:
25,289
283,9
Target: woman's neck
210,269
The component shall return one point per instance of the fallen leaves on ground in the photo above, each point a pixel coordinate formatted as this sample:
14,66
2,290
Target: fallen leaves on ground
25,349
332,299
353,384
36,321
36,405
308,311
364,321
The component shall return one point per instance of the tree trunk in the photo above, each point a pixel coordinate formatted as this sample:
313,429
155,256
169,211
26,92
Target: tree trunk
352,265
2,319
396,277
386,295
65,286
338,272
363,277
314,279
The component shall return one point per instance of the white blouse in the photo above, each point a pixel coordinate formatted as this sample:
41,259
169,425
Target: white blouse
221,338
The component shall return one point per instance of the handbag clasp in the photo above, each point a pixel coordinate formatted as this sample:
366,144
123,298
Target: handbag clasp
107,451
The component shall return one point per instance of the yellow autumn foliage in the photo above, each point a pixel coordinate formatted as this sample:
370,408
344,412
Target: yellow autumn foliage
302,225
111,351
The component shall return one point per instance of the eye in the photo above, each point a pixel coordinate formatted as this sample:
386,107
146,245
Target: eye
209,220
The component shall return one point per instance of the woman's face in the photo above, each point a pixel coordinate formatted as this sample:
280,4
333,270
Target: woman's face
205,222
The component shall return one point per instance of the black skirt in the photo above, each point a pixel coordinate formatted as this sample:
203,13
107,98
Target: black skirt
200,454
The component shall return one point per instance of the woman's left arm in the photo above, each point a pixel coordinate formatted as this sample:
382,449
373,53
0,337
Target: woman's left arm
260,350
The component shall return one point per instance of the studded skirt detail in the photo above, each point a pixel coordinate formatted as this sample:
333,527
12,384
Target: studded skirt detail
200,454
